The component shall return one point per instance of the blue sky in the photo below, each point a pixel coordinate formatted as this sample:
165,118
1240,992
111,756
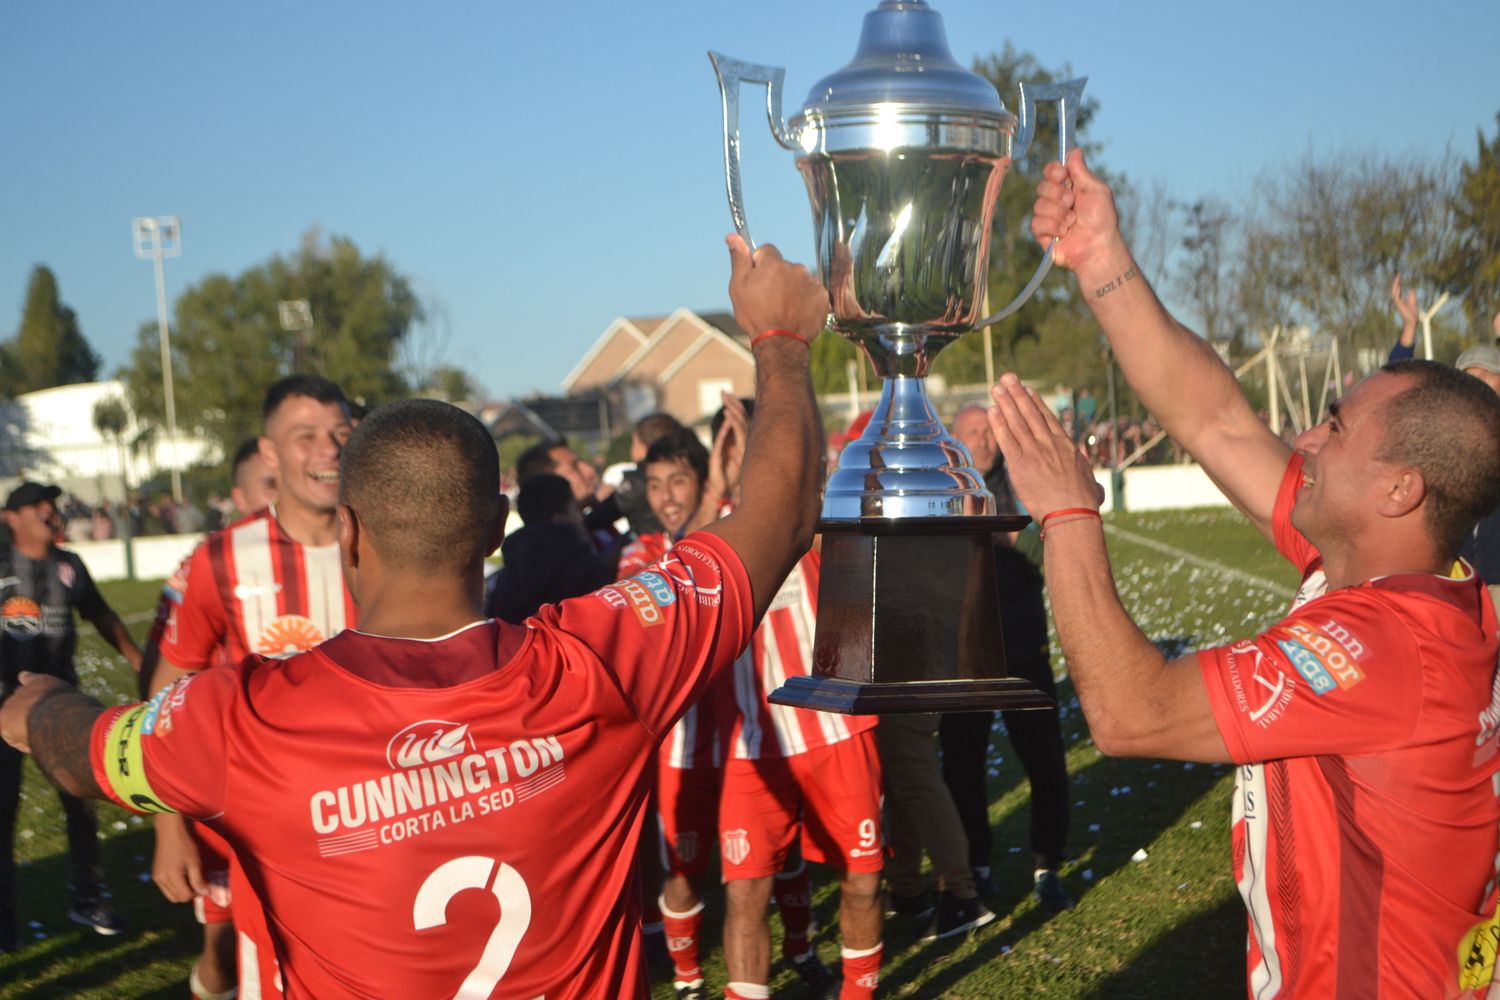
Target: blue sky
539,169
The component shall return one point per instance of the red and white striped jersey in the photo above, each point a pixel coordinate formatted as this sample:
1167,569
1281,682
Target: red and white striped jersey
251,588
781,648
695,740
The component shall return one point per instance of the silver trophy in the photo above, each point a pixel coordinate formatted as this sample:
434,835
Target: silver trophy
903,152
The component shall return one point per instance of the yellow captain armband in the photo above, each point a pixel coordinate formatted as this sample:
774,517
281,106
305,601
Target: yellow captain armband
124,761
1476,954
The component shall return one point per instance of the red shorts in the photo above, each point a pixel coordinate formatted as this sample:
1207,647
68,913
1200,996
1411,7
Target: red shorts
687,804
213,858
833,793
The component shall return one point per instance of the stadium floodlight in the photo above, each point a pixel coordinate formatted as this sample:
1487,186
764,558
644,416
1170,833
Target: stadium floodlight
157,237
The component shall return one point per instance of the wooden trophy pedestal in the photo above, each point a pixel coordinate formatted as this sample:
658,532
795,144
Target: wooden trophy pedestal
909,620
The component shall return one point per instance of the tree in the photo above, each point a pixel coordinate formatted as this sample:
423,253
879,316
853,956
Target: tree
111,419
1471,268
228,344
49,349
1051,338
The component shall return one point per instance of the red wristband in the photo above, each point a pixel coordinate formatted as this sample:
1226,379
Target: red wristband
1071,514
773,332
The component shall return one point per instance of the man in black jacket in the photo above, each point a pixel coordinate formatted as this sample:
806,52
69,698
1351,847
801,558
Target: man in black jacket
551,559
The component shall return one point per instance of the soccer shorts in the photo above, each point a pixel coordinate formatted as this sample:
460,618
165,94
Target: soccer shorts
832,794
687,805
213,859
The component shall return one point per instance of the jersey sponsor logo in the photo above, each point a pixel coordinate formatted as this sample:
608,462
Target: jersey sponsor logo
157,719
288,635
1489,726
22,617
124,763
646,607
735,846
66,574
1334,651
612,597
864,852
439,776
661,590
428,742
9,581
244,590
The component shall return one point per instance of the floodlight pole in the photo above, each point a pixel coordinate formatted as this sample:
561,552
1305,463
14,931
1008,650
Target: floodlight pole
157,237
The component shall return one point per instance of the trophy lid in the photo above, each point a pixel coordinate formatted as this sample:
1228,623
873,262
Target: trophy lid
903,59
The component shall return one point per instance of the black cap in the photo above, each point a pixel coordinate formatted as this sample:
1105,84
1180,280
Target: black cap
29,493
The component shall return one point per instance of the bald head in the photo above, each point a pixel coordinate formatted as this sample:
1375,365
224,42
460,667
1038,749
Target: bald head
971,425
423,478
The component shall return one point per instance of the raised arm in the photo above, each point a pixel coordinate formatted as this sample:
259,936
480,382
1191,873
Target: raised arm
1176,374
781,478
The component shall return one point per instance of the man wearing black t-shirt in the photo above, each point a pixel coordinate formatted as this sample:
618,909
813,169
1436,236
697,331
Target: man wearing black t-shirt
40,587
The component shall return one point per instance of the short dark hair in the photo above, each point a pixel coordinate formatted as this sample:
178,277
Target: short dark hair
653,426
543,497
248,449
682,445
424,479
312,386
720,416
538,458
1447,426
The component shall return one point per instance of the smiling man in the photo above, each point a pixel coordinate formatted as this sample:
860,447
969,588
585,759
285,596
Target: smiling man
270,584
1365,722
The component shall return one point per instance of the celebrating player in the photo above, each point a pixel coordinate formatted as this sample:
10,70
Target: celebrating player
1364,723
269,584
440,805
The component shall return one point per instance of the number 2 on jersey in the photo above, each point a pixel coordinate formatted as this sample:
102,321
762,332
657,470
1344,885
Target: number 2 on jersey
474,872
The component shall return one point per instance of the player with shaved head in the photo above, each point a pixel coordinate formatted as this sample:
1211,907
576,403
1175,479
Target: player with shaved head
437,804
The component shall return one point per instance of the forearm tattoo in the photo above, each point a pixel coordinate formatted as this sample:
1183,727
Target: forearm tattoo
59,730
1103,290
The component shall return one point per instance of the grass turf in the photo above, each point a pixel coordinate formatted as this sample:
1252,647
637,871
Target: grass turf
1168,926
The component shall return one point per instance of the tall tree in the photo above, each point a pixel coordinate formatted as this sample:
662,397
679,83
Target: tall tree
228,343
49,349
1051,338
1472,267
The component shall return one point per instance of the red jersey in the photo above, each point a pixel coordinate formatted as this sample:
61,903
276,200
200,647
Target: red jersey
782,648
1365,815
694,741
466,821
251,588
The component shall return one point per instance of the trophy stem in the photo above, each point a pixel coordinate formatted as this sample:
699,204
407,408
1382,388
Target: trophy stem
905,464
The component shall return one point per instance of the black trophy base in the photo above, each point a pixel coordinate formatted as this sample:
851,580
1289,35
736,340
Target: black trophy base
909,620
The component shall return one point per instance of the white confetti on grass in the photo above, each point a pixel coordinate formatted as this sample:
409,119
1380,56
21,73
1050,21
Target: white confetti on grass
1139,855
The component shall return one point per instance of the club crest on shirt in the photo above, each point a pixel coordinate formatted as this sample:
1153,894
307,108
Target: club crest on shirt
1324,654
287,635
66,574
1264,690
681,573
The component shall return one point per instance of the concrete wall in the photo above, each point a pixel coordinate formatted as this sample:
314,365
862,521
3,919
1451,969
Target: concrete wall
155,555
1163,487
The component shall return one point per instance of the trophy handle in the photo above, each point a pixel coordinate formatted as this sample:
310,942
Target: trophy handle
731,73
1068,95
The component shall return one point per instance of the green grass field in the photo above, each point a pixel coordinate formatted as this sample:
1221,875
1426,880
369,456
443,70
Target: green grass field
1168,926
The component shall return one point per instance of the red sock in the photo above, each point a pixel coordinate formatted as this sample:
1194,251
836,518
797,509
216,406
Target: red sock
861,973
794,903
682,930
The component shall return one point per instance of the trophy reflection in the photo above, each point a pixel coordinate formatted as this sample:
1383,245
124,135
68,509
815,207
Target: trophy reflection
903,152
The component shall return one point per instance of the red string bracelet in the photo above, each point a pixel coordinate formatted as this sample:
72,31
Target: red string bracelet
1071,513
778,333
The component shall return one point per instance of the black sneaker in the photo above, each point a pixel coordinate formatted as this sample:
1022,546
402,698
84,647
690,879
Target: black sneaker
98,914
957,916
822,982
918,907
692,990
984,882
1048,890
